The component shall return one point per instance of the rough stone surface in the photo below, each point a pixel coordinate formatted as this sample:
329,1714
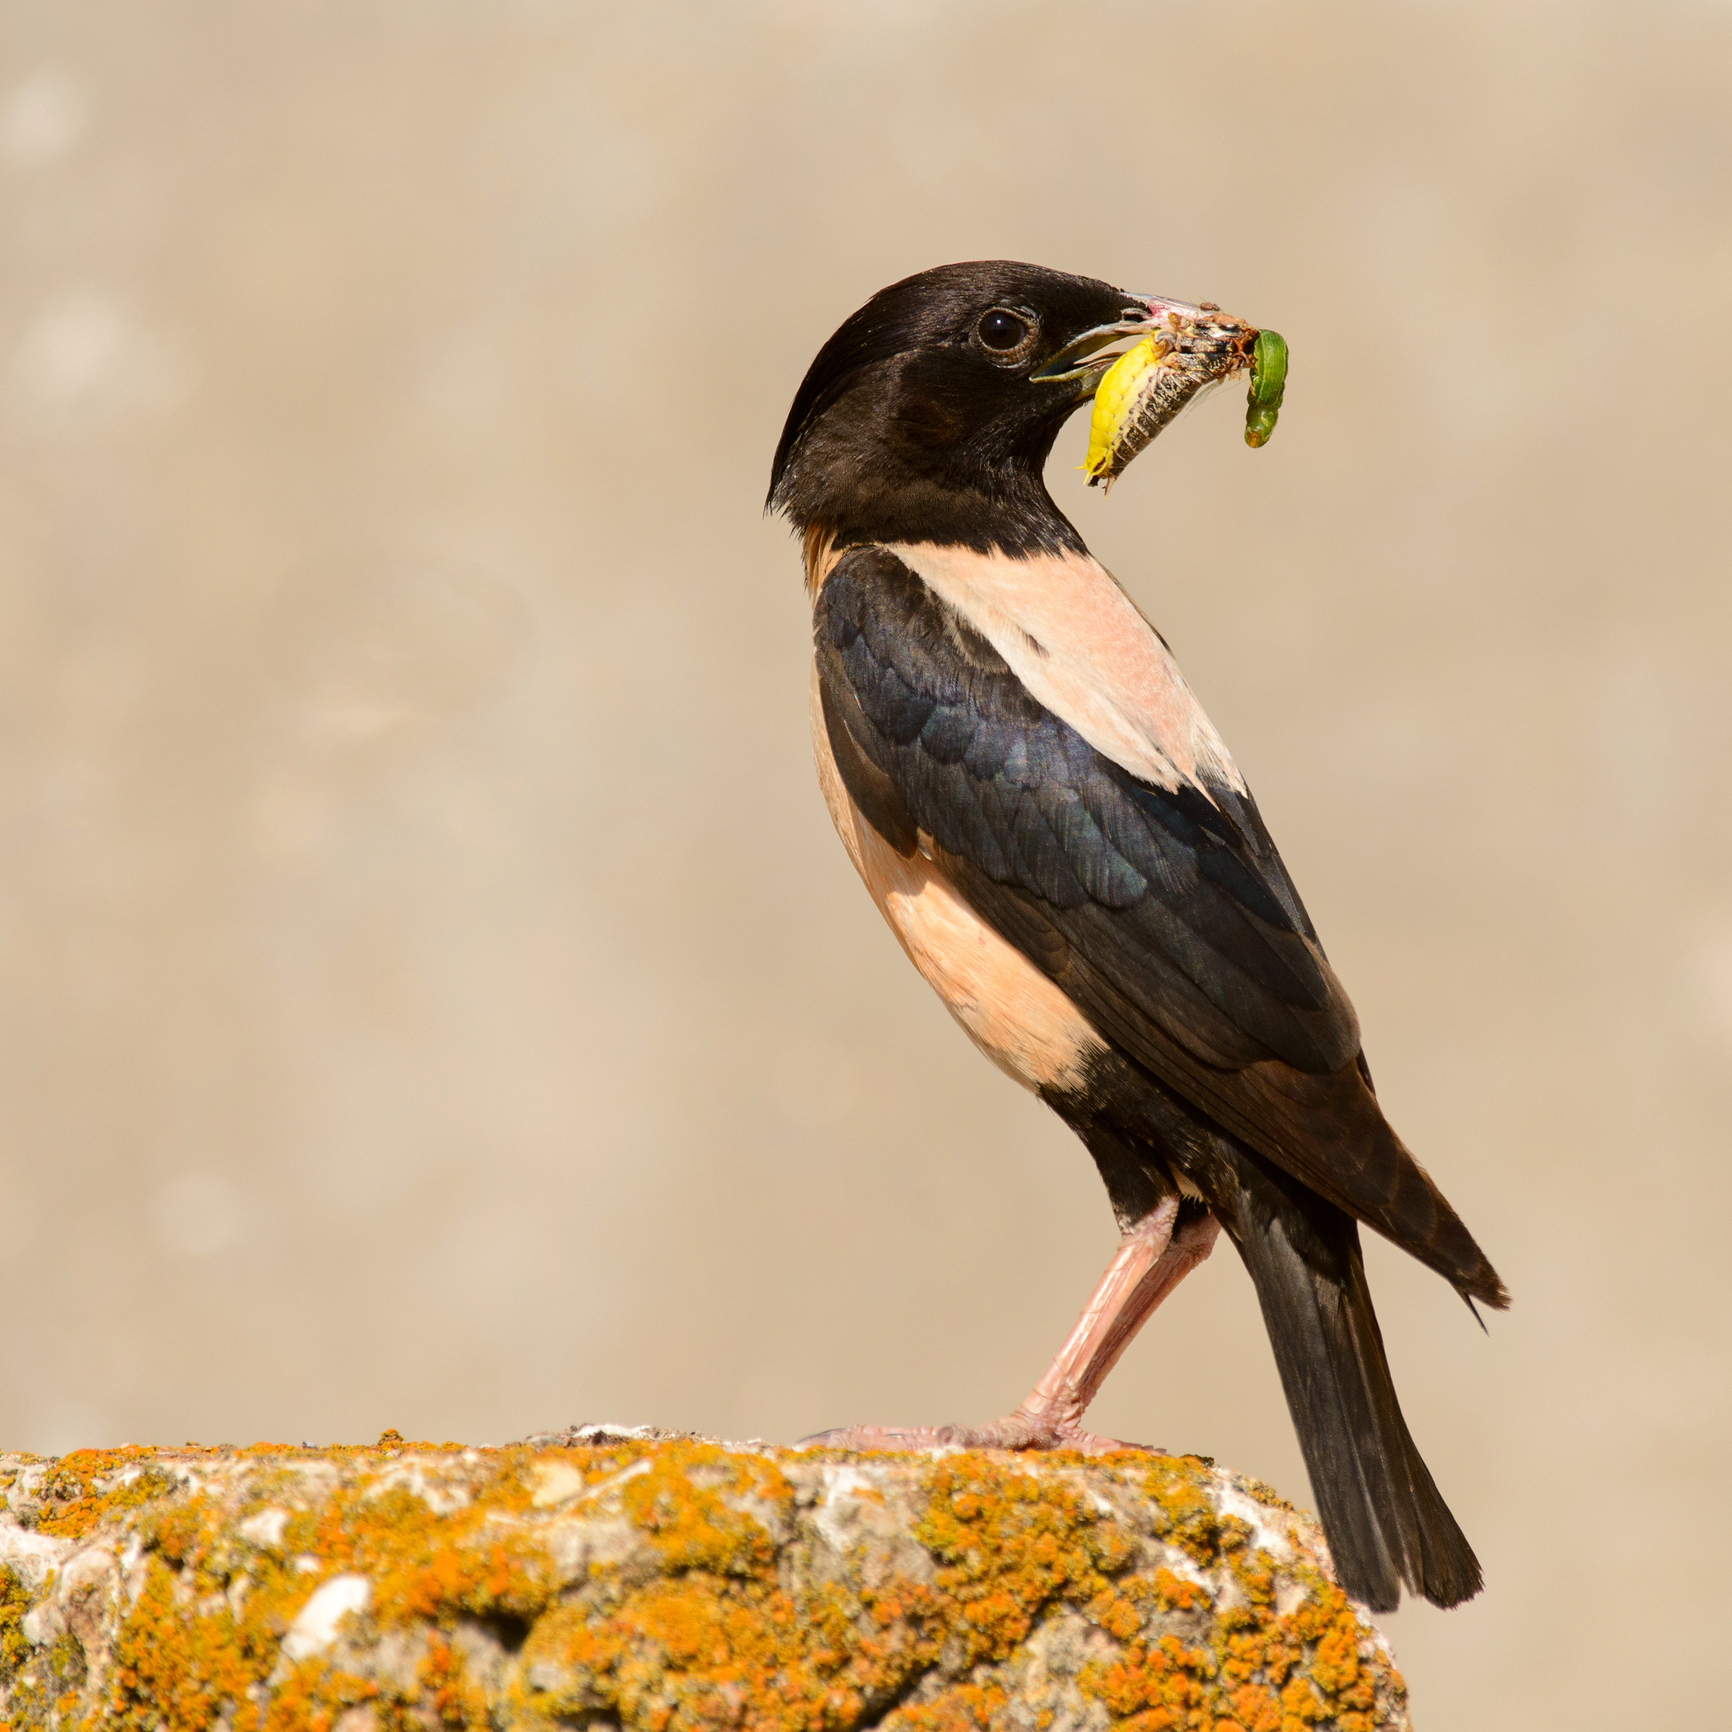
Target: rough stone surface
604,1578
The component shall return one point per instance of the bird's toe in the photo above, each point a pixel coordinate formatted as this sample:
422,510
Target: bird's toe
1016,1431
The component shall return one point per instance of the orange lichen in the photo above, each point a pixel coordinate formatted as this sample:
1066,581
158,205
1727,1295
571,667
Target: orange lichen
967,1707
423,1566
1188,1519
1009,1543
446,1689
700,1618
90,1486
696,1504
718,1640
14,1644
187,1656
1152,1687
49,1691
311,1697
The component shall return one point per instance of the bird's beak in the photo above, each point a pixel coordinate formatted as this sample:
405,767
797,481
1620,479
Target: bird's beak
1085,358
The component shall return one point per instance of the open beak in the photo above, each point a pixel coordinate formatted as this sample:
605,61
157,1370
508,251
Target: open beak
1087,357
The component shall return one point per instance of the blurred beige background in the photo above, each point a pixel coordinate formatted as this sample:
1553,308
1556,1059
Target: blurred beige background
433,994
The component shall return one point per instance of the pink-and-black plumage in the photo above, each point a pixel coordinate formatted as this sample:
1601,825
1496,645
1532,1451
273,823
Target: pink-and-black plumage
1064,847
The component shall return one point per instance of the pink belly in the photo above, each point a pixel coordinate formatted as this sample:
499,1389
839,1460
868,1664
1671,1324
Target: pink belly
1008,1008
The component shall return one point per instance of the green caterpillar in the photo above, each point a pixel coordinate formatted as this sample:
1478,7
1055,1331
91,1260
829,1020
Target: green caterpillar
1268,382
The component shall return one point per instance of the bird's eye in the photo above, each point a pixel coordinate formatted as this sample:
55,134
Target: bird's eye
1001,330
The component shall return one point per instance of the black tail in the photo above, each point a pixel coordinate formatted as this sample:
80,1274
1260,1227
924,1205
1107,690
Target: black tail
1385,1522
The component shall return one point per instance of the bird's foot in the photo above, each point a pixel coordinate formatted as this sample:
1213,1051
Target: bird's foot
1019,1430
1147,1266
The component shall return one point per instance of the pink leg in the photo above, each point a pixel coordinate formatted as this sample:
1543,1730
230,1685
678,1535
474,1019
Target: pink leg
1150,1263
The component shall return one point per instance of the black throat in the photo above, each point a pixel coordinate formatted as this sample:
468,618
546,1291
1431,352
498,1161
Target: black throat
889,462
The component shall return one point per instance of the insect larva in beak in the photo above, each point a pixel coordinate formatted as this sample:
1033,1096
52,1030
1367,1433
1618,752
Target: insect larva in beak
1268,382
1119,400
1146,387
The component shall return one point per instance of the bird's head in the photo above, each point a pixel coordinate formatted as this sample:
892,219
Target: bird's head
930,414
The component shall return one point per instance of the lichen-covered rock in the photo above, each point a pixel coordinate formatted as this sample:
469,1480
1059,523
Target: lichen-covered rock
604,1579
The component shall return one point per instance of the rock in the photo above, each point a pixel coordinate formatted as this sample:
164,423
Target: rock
606,1578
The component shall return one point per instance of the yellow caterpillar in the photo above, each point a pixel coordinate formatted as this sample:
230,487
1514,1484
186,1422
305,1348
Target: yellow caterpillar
1149,384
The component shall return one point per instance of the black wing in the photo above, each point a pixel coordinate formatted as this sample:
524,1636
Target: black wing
1166,916
1183,899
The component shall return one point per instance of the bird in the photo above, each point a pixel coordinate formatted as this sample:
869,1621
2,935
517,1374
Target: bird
1063,846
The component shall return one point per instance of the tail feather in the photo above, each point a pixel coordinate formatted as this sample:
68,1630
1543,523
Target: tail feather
1384,1518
